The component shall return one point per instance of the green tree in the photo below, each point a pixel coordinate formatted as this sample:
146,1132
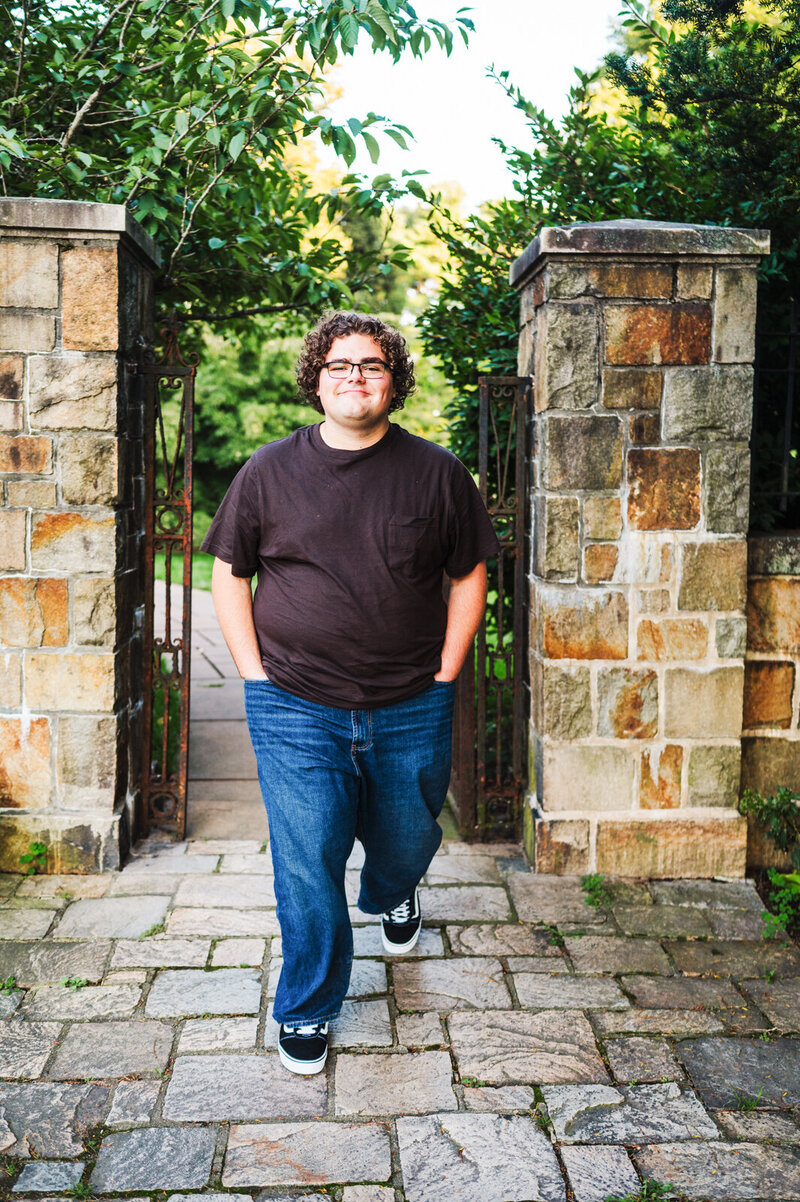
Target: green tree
188,114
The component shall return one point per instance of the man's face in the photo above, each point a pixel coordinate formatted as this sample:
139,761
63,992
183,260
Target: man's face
355,404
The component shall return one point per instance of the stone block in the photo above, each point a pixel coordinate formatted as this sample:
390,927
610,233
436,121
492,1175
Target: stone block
24,454
672,847
702,704
555,538
567,357
86,680
630,1114
12,368
498,1047
29,275
773,615
90,291
627,703
561,845
87,763
583,625
773,555
724,1172
11,416
770,763
612,954
240,1086
586,778
34,612
12,541
472,983
644,429
27,332
714,575
157,1158
45,1176
735,315
598,1173
707,403
660,787
73,392
67,542
671,638
730,637
726,488
583,451
721,1068
310,1153
695,282
10,681
25,782
653,601
89,470
50,1119
526,349
768,688
632,388
503,939
714,773
39,494
600,562
452,903
658,334
664,488
382,1083
543,991
94,610
645,281
602,517
562,701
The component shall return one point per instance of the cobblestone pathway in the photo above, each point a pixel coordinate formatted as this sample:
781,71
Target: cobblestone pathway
532,1048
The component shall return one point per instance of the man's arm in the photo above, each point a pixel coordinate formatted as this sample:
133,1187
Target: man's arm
234,605
464,612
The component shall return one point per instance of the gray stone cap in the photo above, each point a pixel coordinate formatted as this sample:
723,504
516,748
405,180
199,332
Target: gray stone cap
626,237
74,216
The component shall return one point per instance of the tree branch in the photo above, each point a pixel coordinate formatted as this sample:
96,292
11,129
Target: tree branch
204,315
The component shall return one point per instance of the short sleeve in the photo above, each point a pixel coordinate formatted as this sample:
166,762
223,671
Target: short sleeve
472,538
234,535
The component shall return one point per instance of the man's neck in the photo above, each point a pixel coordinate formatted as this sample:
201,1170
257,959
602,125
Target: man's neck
342,439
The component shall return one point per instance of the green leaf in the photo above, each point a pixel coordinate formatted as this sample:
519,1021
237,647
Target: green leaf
213,135
236,144
372,146
216,243
228,8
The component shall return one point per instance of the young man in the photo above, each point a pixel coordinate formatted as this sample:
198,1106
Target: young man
348,653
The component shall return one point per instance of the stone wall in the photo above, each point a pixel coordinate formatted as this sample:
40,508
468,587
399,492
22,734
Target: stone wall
640,340
771,734
75,293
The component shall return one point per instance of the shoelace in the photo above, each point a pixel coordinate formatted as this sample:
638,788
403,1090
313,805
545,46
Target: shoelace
401,913
307,1029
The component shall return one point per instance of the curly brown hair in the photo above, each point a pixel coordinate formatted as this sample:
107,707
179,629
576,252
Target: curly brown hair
338,325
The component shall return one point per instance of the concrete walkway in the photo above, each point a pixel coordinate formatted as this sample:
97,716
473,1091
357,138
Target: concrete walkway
532,1049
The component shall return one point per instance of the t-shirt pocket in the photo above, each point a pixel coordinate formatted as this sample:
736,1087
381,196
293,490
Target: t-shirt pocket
413,544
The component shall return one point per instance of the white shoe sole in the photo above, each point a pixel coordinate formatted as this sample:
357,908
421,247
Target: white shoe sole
305,1068
399,949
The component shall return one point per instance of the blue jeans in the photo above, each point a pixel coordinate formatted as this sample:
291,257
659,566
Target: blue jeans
328,775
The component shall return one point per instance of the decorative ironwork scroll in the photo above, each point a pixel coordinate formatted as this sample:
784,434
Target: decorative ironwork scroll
489,728
169,408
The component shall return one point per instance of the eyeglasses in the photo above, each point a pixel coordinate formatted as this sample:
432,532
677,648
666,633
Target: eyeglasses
370,369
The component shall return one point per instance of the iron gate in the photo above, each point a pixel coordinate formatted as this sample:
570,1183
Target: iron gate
168,547
491,705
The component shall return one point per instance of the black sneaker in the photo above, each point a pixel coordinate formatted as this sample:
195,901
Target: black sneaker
304,1047
401,926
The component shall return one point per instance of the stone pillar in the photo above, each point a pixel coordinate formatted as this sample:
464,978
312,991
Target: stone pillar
640,337
75,292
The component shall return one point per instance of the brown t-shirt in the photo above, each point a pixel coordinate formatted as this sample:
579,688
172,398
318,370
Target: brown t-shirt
349,548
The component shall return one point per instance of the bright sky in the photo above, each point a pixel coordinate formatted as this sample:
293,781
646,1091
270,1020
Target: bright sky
449,104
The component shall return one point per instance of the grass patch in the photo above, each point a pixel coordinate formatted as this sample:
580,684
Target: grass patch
201,569
598,893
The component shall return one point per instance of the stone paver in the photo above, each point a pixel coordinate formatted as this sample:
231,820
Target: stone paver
637,1059
416,1083
235,1087
50,1120
111,917
595,1173
42,1175
733,1173
171,1044
538,992
306,1153
499,1047
486,1156
112,1049
184,991
725,1070
501,939
155,1158
26,1047
606,953
628,1114
475,982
